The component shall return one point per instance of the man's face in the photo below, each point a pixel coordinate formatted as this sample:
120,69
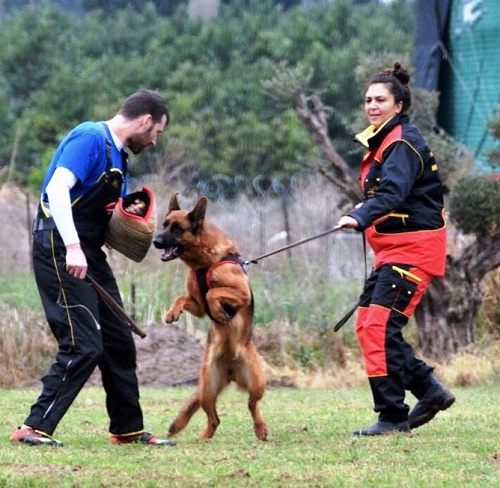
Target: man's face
146,135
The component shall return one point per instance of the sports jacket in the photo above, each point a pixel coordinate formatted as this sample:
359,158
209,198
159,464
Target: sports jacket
402,212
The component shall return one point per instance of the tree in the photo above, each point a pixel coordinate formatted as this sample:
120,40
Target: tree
58,68
446,314
8,6
475,210
27,62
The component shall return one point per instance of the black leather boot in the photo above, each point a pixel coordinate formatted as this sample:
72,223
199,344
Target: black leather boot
437,398
381,427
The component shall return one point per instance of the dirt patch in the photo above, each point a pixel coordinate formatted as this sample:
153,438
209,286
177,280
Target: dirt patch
170,356
167,356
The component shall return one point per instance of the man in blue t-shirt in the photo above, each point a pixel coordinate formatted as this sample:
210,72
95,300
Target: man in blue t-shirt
85,178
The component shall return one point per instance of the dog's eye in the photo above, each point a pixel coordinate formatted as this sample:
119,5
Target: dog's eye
176,229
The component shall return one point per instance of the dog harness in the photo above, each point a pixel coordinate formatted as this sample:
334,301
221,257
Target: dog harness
204,275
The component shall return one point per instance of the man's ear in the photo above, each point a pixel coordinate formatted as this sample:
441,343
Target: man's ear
146,121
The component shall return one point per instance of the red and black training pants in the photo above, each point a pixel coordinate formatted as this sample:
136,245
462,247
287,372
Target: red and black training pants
389,298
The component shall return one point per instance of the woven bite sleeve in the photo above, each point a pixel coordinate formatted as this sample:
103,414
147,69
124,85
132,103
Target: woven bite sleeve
131,234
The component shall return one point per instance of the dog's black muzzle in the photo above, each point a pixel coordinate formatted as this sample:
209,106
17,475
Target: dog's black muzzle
171,249
158,241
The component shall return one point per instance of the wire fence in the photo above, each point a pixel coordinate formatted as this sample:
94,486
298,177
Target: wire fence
260,214
271,213
17,210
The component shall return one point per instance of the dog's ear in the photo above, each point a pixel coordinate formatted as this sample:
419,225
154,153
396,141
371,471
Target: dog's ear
174,204
197,215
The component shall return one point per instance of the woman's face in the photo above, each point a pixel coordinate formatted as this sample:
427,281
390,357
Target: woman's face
380,105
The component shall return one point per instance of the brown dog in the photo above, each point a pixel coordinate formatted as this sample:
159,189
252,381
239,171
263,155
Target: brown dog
217,286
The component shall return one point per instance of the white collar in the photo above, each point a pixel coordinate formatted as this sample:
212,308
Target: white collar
116,141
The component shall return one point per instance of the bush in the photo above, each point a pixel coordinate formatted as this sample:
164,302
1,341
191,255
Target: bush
475,205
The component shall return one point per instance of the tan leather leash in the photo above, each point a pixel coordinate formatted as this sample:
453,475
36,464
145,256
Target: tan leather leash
115,307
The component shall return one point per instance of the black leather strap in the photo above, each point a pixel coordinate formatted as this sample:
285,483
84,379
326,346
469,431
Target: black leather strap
43,224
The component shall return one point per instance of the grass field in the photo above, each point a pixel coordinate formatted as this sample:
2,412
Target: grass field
309,444
299,297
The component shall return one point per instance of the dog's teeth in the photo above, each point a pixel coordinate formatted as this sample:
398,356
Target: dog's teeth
169,254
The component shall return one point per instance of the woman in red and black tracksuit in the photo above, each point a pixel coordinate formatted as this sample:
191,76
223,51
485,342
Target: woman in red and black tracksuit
402,216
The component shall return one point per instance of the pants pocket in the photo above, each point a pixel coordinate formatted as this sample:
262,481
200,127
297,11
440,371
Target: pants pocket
394,287
406,292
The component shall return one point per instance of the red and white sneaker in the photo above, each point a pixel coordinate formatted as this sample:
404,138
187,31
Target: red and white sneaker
33,437
142,438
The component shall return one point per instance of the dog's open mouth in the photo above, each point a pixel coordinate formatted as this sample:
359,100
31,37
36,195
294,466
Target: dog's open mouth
170,253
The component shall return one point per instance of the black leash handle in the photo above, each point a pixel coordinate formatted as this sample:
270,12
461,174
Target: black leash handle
348,315
115,307
345,318
290,246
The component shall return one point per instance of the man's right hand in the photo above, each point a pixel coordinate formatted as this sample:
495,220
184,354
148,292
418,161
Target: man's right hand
76,262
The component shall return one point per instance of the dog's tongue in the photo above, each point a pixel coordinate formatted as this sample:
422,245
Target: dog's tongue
168,254
165,254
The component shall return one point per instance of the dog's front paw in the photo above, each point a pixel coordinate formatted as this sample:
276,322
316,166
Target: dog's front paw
172,315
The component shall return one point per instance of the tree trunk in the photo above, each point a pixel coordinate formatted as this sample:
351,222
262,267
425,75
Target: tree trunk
447,312
314,115
205,9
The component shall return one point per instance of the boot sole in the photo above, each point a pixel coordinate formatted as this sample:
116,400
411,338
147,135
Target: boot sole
361,433
431,413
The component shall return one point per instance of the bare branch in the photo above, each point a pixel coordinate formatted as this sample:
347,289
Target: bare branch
314,114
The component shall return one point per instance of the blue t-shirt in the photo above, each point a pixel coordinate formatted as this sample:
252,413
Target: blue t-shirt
83,152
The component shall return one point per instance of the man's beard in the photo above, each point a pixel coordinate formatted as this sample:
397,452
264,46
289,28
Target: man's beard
138,142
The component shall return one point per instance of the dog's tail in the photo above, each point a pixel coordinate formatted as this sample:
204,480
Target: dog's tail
184,416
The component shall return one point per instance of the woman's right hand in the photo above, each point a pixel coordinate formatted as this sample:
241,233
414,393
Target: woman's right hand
346,222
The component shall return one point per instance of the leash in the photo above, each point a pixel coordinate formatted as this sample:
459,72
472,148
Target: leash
351,311
348,315
115,307
290,246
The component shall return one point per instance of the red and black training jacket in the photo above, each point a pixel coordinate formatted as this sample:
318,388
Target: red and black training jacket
402,212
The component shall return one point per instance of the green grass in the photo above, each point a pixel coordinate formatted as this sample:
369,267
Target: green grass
309,444
19,290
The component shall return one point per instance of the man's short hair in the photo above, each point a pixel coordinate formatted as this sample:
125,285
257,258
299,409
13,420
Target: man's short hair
145,102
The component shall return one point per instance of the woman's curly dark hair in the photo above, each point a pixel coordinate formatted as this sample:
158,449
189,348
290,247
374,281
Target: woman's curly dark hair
396,79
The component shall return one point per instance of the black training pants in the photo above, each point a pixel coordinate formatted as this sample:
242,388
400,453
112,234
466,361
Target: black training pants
88,334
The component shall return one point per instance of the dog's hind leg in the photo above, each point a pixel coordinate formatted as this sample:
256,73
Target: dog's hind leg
250,377
184,416
259,426
212,381
213,419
